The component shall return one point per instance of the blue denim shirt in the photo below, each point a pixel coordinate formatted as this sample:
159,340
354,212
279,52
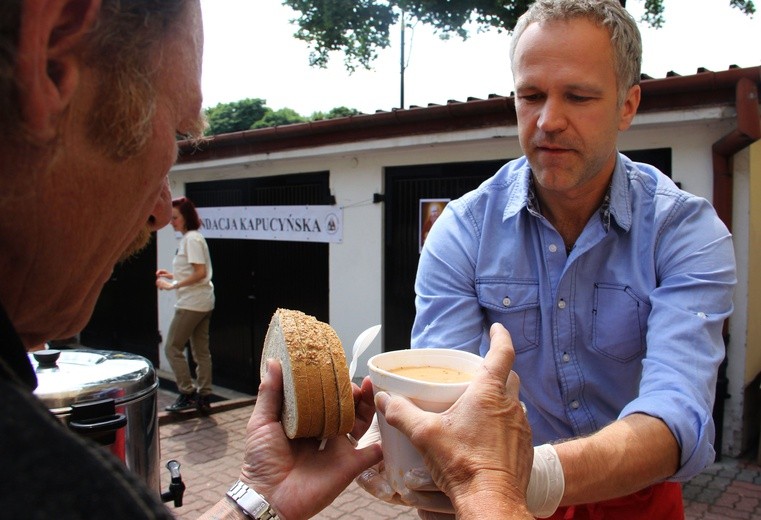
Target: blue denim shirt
629,322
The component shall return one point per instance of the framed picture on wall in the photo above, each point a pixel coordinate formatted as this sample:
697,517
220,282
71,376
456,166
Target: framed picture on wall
430,209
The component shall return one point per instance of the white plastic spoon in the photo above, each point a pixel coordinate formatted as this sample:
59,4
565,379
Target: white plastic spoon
360,345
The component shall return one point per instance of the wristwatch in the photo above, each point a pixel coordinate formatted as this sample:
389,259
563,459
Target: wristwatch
252,503
174,284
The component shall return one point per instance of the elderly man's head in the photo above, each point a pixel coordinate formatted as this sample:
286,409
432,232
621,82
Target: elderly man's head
94,94
123,45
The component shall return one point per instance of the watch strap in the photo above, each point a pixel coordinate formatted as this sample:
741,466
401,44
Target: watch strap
252,503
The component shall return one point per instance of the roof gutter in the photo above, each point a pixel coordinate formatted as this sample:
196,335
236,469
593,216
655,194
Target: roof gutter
706,88
747,132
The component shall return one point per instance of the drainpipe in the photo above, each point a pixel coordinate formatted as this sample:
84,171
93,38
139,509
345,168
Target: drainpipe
747,132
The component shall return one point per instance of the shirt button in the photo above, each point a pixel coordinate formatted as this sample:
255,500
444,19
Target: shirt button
566,358
575,404
553,248
702,315
561,304
506,301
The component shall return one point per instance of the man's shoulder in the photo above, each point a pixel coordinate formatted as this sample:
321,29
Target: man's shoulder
510,181
650,178
653,192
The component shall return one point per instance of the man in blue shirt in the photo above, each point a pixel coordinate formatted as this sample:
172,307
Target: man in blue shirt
94,94
613,283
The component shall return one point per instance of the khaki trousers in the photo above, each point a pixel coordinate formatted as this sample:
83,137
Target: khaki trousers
194,326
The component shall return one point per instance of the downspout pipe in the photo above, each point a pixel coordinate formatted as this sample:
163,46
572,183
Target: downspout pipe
747,132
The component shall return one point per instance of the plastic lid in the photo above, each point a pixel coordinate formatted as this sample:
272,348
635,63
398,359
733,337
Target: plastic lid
81,375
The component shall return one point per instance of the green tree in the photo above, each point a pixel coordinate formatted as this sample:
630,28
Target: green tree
247,114
360,28
334,113
236,116
283,116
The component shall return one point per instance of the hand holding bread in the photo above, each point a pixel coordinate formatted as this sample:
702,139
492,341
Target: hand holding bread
293,475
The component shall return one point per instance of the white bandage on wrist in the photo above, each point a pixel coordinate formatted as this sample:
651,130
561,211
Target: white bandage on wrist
547,483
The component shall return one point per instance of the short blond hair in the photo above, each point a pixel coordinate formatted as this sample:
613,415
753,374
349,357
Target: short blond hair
625,37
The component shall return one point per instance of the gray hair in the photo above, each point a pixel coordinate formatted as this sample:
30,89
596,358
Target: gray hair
124,45
624,34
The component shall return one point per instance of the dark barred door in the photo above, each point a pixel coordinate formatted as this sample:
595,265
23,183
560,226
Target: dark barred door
125,317
252,278
405,188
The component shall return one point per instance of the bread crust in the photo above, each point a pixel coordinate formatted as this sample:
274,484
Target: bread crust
343,386
330,394
318,400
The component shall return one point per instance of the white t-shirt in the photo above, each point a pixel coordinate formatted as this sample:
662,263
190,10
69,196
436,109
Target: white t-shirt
193,250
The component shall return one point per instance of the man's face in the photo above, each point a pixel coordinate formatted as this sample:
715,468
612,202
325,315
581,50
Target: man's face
568,115
103,207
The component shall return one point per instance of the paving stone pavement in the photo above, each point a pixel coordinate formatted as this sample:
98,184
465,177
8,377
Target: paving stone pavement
210,450
727,489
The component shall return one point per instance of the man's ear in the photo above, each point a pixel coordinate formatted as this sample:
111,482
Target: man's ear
50,60
629,108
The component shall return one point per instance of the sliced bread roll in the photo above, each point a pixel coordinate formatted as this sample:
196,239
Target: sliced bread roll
331,411
318,399
312,356
343,383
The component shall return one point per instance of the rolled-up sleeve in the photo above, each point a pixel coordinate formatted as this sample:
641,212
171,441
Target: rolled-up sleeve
685,346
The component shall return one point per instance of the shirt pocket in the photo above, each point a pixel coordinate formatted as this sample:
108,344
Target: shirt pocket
620,322
514,304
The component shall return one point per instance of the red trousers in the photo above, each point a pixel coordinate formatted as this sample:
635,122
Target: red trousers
658,502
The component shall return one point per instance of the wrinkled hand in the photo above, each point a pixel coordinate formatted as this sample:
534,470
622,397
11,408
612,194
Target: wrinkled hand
479,451
373,480
421,491
293,475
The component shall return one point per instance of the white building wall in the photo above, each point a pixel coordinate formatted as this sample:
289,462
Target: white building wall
357,172
733,442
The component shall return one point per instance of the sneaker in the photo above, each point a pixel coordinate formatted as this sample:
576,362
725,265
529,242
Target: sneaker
203,404
183,402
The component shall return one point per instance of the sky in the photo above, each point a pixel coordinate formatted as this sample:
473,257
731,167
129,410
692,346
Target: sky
250,52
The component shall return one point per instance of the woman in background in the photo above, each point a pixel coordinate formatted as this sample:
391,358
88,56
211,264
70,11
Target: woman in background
191,278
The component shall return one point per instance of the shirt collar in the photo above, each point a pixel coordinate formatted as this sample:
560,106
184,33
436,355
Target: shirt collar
619,193
615,204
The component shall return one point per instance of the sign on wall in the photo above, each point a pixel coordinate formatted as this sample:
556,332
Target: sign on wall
290,223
